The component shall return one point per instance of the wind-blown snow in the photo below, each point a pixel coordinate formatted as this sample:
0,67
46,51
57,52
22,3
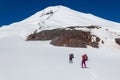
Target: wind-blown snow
38,60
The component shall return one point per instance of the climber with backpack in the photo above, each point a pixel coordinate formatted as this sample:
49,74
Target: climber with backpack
84,59
71,56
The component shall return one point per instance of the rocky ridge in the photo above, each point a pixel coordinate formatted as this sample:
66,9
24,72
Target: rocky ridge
71,36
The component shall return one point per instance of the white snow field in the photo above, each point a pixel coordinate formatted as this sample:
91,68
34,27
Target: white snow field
38,60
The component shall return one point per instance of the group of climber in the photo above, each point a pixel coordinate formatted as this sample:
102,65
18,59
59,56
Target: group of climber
84,58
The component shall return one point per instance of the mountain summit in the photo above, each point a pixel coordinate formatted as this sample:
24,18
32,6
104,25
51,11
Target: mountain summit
59,16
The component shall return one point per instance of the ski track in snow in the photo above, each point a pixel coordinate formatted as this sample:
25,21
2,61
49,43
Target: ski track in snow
92,74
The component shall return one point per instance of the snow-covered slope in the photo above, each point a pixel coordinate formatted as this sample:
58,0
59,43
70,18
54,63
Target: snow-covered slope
38,60
54,17
61,16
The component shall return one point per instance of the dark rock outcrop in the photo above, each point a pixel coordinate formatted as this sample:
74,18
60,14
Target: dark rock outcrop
117,40
68,37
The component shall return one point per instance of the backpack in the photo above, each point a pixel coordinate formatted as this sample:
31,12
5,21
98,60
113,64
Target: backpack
72,55
86,57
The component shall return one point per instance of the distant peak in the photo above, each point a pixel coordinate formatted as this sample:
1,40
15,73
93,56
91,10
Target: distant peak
56,7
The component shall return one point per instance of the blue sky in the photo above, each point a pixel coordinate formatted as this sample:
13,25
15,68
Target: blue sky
17,10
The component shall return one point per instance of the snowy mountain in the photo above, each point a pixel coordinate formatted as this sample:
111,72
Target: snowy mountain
38,60
55,17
